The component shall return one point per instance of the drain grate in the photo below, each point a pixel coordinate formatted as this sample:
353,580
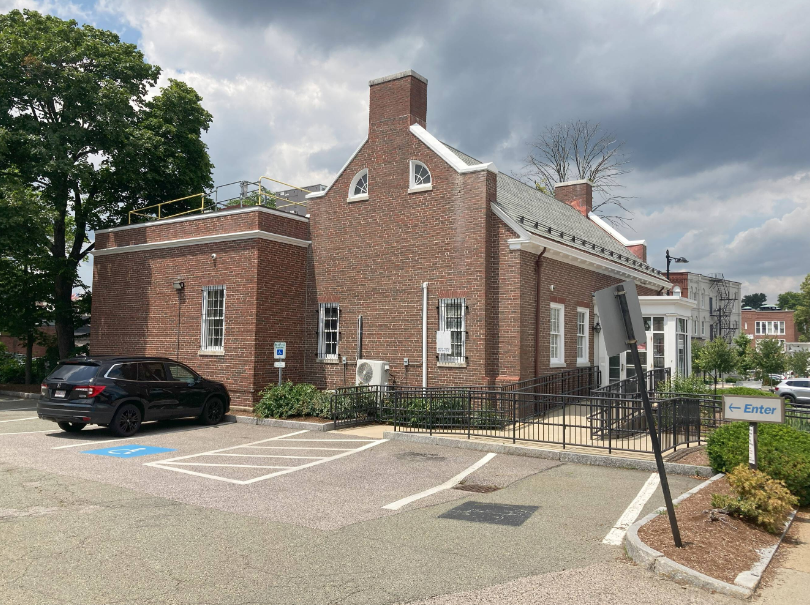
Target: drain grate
477,488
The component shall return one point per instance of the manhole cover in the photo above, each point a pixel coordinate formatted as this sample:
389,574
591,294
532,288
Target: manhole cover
499,514
475,487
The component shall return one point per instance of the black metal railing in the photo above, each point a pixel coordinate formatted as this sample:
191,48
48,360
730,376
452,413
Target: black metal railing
631,386
579,381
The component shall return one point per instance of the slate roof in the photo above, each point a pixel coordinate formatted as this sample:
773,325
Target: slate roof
549,218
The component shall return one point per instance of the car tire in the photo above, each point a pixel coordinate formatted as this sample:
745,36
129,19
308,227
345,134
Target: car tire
71,427
126,421
789,398
213,412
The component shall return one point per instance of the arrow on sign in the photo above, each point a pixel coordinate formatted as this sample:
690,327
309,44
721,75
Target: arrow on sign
732,407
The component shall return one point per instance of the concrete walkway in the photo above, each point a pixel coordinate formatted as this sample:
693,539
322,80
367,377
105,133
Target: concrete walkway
791,581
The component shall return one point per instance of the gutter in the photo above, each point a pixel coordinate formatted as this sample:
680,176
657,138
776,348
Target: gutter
538,264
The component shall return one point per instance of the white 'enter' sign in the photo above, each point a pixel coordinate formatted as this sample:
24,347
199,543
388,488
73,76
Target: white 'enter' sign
750,408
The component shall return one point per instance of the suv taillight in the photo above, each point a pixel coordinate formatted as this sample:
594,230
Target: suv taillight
88,391
43,389
775,389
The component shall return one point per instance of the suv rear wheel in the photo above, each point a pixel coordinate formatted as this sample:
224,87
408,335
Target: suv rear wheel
789,398
71,427
127,420
213,412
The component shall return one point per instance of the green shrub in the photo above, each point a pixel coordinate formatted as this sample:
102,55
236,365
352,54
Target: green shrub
744,391
758,498
12,370
731,380
683,384
291,399
783,453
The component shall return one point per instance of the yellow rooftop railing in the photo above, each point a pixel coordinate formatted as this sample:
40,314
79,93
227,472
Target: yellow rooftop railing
201,208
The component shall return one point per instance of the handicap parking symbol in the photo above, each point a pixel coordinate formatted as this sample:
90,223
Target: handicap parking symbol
128,451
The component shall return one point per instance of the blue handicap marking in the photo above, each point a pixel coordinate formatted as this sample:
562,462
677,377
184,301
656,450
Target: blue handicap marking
128,451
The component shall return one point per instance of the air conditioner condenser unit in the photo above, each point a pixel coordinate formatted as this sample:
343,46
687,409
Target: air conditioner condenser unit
372,373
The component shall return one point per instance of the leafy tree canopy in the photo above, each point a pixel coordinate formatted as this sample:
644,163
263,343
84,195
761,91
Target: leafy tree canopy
789,300
78,125
755,301
798,362
769,356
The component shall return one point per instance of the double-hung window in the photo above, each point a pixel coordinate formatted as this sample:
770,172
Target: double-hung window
212,334
452,319
557,334
328,330
582,336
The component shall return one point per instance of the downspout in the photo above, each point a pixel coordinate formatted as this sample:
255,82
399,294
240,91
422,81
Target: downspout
424,334
538,264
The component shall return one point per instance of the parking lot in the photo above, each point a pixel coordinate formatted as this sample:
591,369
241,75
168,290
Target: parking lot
290,516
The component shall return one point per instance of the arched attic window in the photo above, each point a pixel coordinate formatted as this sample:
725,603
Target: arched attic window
358,189
420,179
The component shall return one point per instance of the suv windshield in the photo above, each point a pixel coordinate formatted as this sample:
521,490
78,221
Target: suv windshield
73,372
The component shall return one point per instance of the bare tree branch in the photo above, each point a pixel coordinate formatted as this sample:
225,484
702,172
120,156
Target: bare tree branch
581,150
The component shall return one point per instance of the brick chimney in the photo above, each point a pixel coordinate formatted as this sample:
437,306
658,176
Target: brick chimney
577,194
397,100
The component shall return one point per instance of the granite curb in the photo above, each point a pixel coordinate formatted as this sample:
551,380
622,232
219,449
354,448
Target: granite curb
19,395
561,456
286,424
744,584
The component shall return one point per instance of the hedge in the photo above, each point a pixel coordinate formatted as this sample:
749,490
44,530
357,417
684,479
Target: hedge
288,399
783,453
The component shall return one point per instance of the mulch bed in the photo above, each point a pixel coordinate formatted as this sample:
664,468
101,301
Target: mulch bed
20,388
691,455
720,549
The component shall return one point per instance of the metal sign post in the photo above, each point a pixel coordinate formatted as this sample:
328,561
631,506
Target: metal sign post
617,300
753,410
279,352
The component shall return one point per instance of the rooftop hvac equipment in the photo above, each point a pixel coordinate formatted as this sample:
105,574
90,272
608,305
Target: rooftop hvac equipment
372,373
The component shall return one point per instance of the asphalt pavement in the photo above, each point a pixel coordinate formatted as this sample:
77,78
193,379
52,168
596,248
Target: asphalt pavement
132,526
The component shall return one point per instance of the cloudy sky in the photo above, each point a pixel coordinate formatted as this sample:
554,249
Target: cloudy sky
712,99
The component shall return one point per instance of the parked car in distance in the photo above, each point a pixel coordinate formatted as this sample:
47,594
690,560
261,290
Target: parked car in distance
794,390
123,392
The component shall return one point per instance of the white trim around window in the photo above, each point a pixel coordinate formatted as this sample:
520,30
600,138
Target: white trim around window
359,183
328,331
420,178
583,325
556,328
453,319
212,328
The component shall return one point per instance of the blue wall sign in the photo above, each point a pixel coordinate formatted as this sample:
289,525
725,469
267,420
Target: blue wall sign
128,451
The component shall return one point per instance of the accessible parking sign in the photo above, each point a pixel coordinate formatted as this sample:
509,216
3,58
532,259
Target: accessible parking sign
128,451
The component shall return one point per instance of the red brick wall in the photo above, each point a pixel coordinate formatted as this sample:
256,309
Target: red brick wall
640,250
17,347
682,280
577,195
403,97
749,319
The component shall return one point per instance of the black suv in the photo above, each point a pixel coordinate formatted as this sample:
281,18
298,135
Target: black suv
122,392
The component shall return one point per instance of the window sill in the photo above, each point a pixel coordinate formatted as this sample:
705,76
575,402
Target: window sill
357,198
328,360
211,353
557,364
582,363
448,364
420,188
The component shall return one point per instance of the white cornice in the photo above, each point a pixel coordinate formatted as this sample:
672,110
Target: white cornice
318,194
535,244
197,217
448,156
206,239
613,233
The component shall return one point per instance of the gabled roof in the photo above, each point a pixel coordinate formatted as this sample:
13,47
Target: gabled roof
549,218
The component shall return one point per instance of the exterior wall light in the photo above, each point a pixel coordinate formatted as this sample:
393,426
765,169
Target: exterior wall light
597,327
178,285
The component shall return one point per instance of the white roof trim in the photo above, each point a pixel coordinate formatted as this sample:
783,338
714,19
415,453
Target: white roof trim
196,217
579,182
206,239
613,233
448,156
533,243
318,194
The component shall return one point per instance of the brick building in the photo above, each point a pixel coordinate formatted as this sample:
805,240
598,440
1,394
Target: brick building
770,323
508,272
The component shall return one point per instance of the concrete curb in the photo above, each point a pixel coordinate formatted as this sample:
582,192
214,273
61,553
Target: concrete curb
286,424
562,456
18,395
744,584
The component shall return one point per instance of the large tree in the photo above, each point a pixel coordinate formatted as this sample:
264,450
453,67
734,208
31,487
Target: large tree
755,301
717,357
77,124
789,300
802,314
581,150
25,290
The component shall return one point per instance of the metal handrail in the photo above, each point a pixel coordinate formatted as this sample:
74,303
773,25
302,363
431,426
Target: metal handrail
160,205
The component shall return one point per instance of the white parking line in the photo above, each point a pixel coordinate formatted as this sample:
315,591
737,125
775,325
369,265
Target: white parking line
446,485
303,447
31,432
18,409
20,419
172,464
615,536
141,436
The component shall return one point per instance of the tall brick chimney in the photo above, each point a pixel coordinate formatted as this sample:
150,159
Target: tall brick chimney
577,194
397,100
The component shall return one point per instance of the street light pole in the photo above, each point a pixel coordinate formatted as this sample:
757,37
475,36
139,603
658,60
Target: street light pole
677,259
